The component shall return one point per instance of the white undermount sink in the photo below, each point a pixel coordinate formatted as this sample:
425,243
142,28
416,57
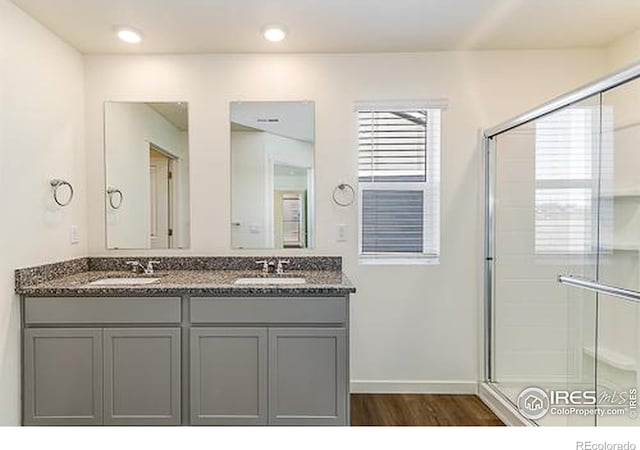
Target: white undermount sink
123,281
267,281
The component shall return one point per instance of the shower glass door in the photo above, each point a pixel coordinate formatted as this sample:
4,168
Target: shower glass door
618,338
546,181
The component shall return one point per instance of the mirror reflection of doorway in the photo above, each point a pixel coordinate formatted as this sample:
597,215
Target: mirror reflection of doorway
290,219
161,198
290,208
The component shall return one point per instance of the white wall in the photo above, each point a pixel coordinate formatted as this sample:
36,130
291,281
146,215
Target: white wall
249,190
41,137
130,129
413,326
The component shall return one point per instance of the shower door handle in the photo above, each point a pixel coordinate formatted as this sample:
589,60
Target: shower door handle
600,288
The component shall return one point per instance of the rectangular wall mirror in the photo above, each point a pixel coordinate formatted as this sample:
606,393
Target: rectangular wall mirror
272,154
147,175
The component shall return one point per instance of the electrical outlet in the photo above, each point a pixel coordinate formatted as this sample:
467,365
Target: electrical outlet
342,233
74,235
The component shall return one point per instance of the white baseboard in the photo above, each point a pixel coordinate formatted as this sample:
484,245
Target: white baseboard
413,387
502,407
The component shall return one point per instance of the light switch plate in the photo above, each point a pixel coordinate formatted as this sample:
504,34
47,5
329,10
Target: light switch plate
342,232
74,235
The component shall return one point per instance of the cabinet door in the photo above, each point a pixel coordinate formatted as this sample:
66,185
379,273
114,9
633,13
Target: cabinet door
228,376
142,376
307,376
62,376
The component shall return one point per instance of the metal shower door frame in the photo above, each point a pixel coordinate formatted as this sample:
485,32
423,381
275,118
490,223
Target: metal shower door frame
599,86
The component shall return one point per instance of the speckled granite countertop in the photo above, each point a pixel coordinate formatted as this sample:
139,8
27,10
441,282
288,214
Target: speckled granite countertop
188,275
75,283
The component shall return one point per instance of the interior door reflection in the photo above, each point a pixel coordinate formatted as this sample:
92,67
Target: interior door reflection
290,217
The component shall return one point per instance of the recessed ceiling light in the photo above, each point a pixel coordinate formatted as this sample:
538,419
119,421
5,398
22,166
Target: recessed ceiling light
274,33
129,35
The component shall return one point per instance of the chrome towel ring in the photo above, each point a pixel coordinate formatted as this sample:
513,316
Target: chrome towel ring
111,192
56,184
346,191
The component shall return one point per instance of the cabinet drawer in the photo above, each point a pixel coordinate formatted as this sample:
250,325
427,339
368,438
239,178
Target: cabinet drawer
268,310
69,310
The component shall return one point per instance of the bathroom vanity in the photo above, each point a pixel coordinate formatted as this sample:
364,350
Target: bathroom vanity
192,347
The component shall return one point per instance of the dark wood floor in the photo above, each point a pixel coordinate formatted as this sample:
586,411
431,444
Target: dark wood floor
420,410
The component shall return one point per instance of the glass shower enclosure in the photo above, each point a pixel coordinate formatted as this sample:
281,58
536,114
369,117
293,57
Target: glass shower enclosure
562,269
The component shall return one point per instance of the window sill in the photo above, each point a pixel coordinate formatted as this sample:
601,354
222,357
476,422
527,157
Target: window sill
398,261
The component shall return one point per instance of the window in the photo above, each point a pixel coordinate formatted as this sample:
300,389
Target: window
399,179
566,146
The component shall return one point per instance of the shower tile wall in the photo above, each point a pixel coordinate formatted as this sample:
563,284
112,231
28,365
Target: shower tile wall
540,328
533,330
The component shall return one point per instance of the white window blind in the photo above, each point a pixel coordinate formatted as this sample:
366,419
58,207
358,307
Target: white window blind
566,181
392,146
399,178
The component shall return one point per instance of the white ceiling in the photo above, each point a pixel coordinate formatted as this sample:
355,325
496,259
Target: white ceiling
176,113
196,26
290,119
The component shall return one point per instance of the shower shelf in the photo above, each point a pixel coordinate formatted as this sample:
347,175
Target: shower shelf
623,194
613,359
626,248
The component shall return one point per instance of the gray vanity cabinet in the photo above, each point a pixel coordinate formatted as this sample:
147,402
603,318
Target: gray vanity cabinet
102,361
141,376
63,376
269,360
302,372
254,360
95,376
307,376
228,376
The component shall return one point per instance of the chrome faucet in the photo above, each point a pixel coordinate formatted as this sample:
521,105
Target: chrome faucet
149,270
280,267
265,265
